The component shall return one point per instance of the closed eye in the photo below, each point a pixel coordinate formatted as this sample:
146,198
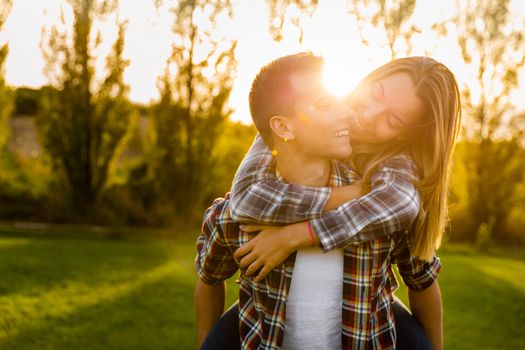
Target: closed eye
395,121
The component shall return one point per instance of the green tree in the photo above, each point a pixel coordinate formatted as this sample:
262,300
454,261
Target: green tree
27,101
233,143
492,43
6,95
391,18
84,123
188,119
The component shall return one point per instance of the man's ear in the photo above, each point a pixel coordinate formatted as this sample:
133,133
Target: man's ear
282,128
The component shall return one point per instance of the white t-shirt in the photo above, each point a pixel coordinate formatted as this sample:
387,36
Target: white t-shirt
314,304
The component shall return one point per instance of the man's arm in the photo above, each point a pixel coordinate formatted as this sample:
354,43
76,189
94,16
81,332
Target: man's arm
209,306
426,307
214,264
420,276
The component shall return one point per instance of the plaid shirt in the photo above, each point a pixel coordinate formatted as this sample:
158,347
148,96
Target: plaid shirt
368,280
391,206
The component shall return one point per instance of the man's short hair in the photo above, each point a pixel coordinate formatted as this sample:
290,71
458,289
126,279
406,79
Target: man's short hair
272,92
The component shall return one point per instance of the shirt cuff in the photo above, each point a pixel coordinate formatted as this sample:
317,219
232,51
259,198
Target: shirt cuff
425,278
328,230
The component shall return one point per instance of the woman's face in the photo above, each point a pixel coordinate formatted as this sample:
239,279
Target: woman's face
386,110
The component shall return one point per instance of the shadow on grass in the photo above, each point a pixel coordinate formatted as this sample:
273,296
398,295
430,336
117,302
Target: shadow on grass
60,293
483,310
151,312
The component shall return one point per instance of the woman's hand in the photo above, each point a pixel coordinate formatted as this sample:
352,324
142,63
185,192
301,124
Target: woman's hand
270,247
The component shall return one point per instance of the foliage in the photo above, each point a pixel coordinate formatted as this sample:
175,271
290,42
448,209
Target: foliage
6,98
232,144
278,14
492,44
84,125
27,101
24,187
502,186
392,18
188,119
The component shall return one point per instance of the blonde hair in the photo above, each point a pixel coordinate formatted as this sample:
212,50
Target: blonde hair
431,146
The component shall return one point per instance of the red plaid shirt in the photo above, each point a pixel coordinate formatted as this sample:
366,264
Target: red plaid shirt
368,280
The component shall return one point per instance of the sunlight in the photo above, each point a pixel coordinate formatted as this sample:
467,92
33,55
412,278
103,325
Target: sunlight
13,242
338,78
62,301
333,35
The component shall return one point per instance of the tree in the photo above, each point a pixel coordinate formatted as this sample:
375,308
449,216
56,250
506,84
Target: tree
6,95
277,14
84,123
391,18
27,101
492,43
192,110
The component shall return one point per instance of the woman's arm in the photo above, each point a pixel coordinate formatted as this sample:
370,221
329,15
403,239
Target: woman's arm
258,197
392,205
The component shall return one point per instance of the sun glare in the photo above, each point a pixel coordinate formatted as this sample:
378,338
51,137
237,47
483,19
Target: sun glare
338,77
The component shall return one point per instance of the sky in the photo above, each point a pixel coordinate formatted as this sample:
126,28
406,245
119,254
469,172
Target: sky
329,32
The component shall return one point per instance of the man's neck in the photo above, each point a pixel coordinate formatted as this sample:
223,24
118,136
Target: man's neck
299,168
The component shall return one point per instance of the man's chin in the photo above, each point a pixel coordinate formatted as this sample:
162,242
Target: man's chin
342,155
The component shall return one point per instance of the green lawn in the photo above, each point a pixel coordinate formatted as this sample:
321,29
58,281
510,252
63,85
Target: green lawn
98,293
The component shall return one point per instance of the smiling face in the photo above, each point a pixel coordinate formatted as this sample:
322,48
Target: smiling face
320,125
387,109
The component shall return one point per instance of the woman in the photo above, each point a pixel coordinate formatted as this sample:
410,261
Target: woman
409,111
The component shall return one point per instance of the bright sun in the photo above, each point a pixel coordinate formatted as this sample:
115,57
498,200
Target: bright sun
338,77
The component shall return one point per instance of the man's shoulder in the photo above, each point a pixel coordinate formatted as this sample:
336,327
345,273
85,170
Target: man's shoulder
220,211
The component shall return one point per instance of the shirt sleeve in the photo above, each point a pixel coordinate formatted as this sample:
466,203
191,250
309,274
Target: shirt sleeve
392,205
417,274
214,261
258,197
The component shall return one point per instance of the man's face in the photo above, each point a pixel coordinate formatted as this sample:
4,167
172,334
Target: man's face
321,121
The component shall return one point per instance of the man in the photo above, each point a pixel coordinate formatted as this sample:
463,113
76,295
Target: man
307,128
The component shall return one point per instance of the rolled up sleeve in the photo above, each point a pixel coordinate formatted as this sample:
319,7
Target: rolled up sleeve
417,274
214,261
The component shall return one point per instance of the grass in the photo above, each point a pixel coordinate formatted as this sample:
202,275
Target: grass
115,293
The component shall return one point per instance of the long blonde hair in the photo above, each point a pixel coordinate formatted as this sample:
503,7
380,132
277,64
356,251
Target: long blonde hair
431,146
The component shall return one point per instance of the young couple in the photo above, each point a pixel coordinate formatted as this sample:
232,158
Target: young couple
331,194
